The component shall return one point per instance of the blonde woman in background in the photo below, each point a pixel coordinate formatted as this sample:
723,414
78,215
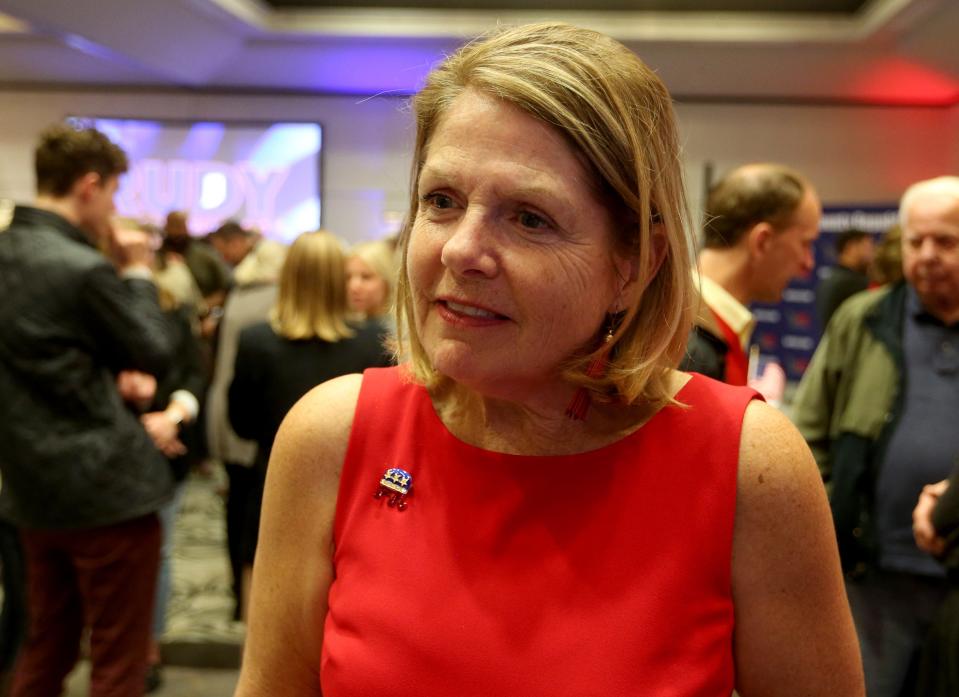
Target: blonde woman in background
308,340
371,270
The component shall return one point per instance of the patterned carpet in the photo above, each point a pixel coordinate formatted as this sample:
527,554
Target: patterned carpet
201,604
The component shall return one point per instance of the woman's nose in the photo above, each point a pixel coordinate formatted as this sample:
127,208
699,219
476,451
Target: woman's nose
470,250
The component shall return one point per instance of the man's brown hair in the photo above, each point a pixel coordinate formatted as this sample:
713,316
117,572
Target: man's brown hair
749,195
64,154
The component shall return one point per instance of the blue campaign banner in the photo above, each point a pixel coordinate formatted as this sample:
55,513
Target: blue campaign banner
788,331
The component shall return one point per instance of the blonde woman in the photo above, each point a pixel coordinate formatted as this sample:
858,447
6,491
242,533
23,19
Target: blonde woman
308,340
538,503
371,278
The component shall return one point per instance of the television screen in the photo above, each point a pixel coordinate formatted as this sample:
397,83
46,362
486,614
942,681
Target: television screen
264,176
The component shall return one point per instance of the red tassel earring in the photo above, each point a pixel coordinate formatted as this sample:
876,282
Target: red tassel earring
579,404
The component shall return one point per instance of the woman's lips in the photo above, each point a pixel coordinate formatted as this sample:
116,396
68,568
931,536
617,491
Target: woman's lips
469,315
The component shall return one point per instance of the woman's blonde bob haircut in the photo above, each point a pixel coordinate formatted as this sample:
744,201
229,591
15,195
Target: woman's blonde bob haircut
617,116
380,257
311,302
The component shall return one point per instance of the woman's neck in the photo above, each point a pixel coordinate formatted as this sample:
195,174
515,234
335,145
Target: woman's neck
536,426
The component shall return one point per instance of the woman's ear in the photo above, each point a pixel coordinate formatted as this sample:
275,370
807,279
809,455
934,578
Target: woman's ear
658,248
631,277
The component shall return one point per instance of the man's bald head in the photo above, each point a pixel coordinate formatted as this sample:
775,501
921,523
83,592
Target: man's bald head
749,195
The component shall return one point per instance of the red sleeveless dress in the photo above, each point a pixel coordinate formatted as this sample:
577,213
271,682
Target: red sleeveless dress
603,573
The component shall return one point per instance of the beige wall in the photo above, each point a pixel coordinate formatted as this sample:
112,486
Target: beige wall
852,154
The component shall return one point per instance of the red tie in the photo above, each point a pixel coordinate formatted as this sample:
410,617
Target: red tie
737,365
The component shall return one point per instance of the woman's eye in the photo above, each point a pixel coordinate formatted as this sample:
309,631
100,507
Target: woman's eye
532,221
439,201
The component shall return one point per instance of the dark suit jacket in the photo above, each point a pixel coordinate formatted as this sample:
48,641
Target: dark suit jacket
71,454
833,290
272,373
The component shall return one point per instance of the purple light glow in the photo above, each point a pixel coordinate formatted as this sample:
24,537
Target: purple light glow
203,140
347,66
370,70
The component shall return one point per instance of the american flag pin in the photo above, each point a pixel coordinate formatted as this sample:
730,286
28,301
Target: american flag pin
397,484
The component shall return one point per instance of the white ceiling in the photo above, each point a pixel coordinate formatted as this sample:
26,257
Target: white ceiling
890,52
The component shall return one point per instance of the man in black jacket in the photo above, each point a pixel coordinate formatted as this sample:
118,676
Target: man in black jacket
854,253
81,478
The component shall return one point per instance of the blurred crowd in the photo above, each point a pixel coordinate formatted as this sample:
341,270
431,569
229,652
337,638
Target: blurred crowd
135,353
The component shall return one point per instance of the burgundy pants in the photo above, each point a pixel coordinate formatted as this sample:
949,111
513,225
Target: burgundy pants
101,578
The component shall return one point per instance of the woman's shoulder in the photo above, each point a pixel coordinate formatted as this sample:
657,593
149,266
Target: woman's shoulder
771,441
786,576
777,473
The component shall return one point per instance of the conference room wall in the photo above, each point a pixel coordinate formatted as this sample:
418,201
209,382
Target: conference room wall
852,154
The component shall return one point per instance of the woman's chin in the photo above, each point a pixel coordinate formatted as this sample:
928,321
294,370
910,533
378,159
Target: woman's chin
465,367
496,378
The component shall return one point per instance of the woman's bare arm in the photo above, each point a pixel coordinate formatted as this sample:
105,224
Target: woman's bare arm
293,568
794,632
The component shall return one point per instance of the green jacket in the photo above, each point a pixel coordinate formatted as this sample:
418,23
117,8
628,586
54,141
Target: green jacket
846,408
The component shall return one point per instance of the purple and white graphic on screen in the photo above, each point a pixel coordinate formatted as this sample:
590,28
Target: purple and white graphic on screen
264,176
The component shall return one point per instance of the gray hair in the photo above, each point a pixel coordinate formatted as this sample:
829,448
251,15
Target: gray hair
939,186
